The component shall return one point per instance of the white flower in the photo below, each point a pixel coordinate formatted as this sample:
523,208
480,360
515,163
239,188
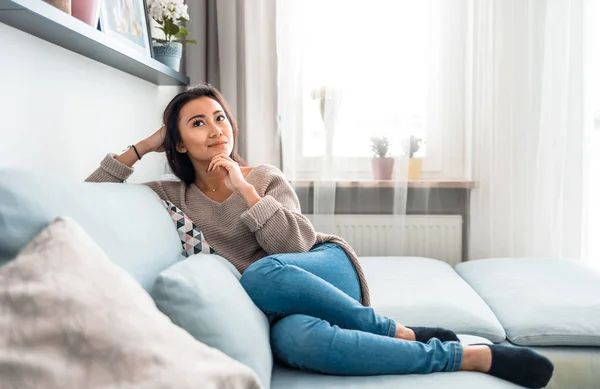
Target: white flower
168,9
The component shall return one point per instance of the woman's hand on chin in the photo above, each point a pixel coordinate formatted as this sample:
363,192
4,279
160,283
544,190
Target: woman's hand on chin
234,179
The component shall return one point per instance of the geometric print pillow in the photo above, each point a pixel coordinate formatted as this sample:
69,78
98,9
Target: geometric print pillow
192,239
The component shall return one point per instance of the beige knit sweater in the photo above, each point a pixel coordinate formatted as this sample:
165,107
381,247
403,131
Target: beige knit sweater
241,235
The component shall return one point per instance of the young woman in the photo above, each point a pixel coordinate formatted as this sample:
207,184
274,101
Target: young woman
310,285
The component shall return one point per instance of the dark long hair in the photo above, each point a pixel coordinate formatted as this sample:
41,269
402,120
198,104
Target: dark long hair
180,163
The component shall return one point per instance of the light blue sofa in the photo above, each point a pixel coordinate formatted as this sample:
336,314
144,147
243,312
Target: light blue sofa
202,293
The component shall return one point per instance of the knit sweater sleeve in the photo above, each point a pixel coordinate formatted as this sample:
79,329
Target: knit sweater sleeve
111,170
276,219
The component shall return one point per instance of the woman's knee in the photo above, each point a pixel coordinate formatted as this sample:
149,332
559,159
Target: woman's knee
296,342
259,275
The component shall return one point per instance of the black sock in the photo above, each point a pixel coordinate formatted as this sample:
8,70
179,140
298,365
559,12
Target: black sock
423,334
521,366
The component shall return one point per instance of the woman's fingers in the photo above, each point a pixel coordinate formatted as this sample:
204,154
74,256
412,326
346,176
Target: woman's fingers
223,164
211,165
216,158
219,162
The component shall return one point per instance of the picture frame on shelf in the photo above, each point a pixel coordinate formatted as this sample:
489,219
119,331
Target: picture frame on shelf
127,21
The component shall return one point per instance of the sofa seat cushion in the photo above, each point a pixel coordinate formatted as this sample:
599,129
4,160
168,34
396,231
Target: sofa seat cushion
574,367
127,221
540,302
203,295
428,292
286,378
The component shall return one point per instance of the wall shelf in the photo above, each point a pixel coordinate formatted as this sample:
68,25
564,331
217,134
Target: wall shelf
46,22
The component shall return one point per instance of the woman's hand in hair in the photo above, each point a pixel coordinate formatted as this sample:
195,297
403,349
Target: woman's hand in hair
152,143
155,142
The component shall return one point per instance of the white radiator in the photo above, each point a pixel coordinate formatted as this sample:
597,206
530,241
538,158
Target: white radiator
431,236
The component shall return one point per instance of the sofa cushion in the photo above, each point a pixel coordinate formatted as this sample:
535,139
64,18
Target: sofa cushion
127,221
574,367
203,295
540,302
428,292
286,378
472,339
70,318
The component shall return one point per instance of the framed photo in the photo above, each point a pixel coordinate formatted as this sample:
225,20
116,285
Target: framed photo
127,22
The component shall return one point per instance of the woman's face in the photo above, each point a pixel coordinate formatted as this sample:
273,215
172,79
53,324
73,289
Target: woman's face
205,130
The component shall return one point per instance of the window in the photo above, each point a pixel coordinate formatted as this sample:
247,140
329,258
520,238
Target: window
386,68
379,57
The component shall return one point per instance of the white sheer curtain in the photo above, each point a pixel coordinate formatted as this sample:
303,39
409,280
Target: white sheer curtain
351,70
527,121
503,91
591,143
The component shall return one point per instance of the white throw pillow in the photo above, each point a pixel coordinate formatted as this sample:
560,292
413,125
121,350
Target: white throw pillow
70,318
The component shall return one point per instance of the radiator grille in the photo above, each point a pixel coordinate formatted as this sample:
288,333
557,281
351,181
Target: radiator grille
431,236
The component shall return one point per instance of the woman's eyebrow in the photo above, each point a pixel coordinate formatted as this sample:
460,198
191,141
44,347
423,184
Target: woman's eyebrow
202,115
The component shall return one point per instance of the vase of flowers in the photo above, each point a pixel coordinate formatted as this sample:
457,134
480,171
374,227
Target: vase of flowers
168,13
382,165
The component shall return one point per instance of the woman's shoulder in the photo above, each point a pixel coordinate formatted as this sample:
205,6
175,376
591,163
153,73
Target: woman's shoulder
266,173
265,176
167,189
266,170
171,184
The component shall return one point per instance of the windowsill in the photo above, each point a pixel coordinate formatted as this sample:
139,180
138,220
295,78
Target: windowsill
441,184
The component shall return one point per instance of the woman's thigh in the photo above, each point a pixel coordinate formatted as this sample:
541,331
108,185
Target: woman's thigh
329,262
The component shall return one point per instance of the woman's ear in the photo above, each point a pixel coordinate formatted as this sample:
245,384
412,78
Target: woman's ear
181,148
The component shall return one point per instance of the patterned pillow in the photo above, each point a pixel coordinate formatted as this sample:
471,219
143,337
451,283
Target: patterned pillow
192,239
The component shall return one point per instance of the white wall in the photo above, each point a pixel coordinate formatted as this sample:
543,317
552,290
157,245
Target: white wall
60,112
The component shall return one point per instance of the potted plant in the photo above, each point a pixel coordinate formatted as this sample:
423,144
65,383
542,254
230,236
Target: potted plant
63,5
88,11
414,163
167,13
383,166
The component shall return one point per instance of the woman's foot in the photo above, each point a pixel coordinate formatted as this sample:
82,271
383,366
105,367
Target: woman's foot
423,334
404,333
518,365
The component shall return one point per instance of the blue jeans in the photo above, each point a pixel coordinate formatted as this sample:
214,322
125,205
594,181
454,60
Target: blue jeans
318,324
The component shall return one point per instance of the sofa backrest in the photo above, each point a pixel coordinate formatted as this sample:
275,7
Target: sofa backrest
127,221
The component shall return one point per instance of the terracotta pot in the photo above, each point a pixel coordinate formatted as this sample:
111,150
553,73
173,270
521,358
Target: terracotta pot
383,168
63,5
414,168
87,11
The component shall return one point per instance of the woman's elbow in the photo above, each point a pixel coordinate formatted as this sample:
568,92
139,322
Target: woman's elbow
305,243
300,244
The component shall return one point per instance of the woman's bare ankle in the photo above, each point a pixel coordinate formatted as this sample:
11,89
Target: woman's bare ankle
476,358
404,333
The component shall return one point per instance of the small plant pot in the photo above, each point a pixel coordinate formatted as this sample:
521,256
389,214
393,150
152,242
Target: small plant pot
168,53
383,168
88,11
414,168
63,5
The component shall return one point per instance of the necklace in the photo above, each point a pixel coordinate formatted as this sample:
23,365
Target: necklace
213,190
